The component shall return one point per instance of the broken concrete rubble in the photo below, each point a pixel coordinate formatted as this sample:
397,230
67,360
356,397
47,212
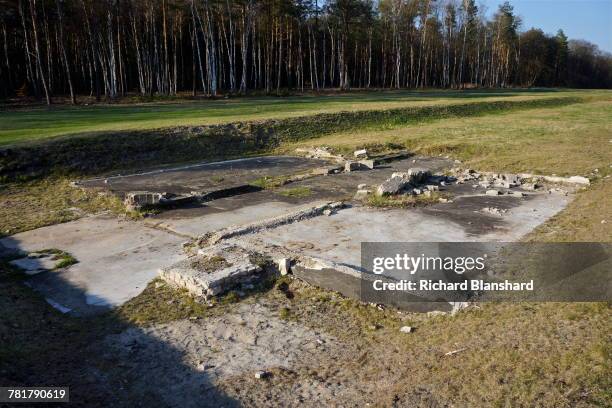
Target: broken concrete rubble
418,175
359,165
394,185
136,200
284,266
509,180
556,179
360,153
370,164
404,182
512,180
322,152
203,282
531,186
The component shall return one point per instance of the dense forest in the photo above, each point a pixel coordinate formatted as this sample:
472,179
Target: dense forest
108,48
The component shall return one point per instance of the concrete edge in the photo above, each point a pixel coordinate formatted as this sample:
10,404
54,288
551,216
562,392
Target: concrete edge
303,213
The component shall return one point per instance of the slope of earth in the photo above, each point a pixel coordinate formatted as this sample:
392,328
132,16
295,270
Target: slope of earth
22,125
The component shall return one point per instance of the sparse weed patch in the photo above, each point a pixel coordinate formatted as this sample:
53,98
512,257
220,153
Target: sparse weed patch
35,204
229,298
210,264
402,200
64,260
296,192
270,183
286,314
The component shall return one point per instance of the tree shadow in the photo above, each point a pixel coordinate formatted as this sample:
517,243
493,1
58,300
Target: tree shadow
105,359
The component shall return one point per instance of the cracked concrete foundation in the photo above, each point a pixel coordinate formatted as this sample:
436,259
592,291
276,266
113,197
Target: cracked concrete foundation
321,238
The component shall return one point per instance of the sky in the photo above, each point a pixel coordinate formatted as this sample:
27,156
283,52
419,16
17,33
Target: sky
589,20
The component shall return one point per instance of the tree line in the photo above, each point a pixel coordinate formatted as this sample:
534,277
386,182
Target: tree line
108,48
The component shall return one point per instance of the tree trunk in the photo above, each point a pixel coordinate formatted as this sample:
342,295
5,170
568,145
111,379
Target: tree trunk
37,50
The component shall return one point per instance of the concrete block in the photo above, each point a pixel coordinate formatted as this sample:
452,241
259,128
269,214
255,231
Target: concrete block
394,185
202,282
418,175
355,166
138,199
367,163
284,266
360,153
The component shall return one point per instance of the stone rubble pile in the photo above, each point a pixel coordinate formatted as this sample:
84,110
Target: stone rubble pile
418,181
493,182
415,181
509,180
488,180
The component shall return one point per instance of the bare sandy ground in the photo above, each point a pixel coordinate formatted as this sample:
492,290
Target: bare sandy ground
225,348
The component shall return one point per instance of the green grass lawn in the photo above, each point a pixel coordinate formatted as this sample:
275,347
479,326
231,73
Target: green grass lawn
23,125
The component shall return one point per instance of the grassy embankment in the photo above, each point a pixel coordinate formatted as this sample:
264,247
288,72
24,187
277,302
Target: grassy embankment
26,125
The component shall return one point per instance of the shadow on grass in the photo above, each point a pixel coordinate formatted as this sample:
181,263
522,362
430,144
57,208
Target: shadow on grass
100,357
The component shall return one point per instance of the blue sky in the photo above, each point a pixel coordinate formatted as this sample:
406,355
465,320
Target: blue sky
589,20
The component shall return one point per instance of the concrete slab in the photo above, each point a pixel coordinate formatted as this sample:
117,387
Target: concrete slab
199,218
202,218
116,260
205,176
338,238
328,249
